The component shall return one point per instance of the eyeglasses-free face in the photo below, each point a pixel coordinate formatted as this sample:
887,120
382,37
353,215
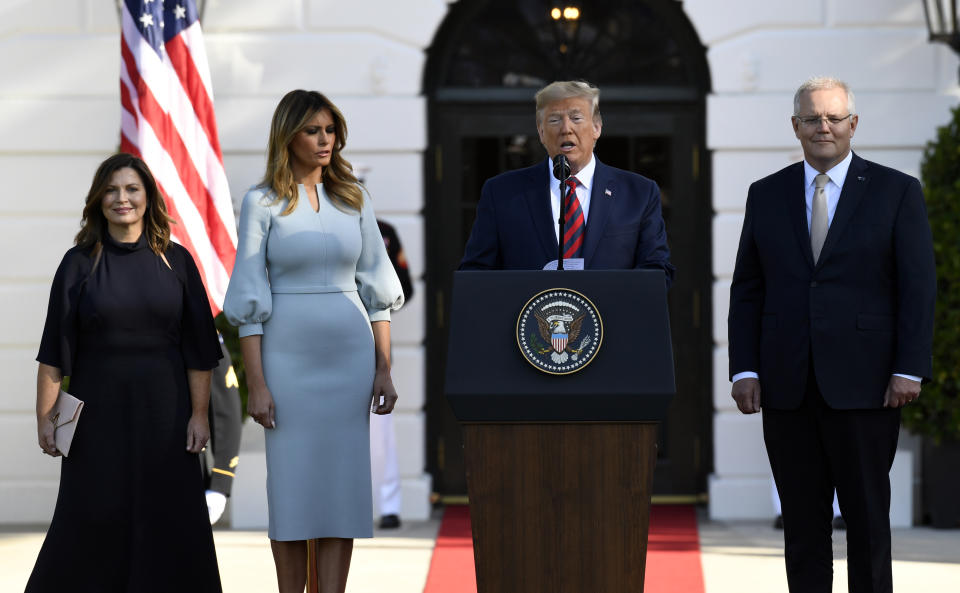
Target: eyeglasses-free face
568,128
824,127
124,203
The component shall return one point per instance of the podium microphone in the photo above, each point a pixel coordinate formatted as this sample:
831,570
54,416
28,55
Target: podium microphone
561,170
561,167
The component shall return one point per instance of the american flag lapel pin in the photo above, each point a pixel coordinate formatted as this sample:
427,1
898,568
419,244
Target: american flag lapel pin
608,193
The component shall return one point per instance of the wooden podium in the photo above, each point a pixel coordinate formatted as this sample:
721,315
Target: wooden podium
560,467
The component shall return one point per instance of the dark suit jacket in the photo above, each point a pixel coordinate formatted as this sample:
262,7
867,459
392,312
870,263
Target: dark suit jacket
514,226
865,311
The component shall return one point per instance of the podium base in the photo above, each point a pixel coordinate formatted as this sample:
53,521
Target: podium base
560,507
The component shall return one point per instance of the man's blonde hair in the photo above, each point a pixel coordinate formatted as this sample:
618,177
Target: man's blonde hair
568,89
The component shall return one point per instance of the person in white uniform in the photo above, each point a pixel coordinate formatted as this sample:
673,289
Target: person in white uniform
383,440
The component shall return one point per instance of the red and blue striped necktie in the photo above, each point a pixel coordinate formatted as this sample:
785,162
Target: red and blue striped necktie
573,222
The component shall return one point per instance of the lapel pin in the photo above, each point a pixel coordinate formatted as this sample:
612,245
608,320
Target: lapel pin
861,178
608,193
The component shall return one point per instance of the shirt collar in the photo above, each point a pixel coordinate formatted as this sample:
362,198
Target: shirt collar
584,177
838,174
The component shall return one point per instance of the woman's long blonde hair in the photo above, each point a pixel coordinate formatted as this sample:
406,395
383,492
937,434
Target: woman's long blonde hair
156,221
294,112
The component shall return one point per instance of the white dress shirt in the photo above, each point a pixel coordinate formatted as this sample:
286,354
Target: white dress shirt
585,182
837,175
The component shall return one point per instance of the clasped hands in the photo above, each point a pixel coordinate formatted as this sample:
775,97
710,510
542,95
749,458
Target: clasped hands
900,392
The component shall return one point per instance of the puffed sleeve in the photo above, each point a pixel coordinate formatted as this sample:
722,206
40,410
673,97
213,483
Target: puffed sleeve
377,282
199,344
248,302
59,341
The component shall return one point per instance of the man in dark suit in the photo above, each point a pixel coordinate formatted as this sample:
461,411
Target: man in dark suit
830,332
613,220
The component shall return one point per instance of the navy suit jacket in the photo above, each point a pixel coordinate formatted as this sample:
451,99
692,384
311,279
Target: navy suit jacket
514,228
864,311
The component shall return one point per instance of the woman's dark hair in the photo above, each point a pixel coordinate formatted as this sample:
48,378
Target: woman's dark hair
156,221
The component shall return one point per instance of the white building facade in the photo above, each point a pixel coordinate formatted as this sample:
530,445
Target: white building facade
60,116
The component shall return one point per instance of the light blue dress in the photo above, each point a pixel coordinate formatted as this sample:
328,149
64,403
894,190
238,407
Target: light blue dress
311,283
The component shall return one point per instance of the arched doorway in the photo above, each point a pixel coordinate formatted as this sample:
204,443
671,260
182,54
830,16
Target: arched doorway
487,61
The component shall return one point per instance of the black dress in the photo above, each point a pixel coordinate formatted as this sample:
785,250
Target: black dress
131,514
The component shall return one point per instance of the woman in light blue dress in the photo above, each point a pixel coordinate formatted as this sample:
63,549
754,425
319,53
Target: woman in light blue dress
311,291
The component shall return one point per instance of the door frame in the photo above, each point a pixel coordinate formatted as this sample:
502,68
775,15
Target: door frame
634,114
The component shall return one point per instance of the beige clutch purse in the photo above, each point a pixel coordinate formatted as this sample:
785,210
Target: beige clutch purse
65,415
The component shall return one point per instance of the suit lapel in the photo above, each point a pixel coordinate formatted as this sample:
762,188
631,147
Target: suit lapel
852,192
601,203
797,210
538,202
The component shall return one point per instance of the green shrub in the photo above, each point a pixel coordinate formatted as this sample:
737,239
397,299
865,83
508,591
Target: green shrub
936,413
232,341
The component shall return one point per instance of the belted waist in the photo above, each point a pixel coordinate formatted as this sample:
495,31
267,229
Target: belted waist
311,289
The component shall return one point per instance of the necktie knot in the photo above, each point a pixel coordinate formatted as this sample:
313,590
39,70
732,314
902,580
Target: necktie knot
572,183
821,180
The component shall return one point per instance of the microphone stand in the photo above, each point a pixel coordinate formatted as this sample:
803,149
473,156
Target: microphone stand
561,170
562,223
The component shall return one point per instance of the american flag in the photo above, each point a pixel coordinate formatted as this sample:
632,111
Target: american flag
167,119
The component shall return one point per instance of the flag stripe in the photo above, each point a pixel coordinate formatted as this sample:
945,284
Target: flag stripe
186,71
193,39
216,276
193,82
181,238
190,219
167,118
127,113
168,136
159,75
189,224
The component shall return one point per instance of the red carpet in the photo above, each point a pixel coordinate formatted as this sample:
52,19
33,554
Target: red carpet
451,567
673,553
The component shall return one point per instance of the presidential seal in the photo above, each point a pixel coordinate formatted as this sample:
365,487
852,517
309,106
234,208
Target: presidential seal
559,331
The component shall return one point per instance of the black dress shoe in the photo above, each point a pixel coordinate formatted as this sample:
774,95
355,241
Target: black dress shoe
389,522
839,524
778,522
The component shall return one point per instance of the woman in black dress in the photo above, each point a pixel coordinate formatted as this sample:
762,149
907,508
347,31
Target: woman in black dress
129,323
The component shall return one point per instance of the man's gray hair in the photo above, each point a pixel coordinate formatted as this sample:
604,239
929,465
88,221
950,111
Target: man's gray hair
823,83
568,89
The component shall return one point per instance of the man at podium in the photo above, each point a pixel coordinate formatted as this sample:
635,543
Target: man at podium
612,219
